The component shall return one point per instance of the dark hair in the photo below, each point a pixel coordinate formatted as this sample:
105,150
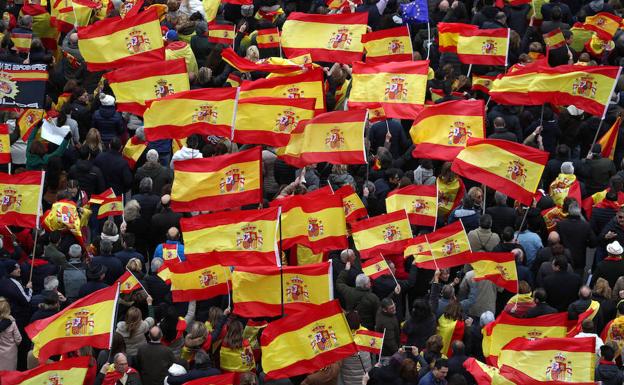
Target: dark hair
508,234
393,172
386,302
129,239
441,363
485,222
458,347
421,310
607,352
55,236
76,93
540,295
115,144
561,262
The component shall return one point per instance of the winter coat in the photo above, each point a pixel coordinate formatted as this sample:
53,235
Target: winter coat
351,369
390,324
152,362
89,177
10,338
469,217
160,175
483,239
363,300
608,373
138,338
117,174
185,153
576,235
108,122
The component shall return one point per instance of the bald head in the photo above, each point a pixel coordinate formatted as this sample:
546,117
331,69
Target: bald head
155,334
73,38
553,238
173,234
499,122
585,292
347,255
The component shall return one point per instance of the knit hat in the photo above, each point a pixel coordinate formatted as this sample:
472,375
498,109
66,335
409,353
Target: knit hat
10,267
107,100
614,248
75,251
152,155
171,35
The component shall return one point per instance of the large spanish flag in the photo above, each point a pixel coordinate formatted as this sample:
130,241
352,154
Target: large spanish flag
316,221
144,82
552,359
399,87
257,290
483,46
206,111
368,340
507,327
604,24
586,86
321,335
420,202
486,374
442,130
67,371
449,246
376,267
5,144
608,141
221,379
387,45
117,42
330,38
386,233
511,168
353,207
448,35
335,137
512,376
86,322
42,25
499,268
279,117
21,198
236,238
219,182
196,280
306,85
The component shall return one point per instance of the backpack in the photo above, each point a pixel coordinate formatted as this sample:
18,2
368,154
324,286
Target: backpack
73,278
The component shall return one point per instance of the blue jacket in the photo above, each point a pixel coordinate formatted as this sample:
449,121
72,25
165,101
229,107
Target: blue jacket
428,379
158,253
109,122
116,171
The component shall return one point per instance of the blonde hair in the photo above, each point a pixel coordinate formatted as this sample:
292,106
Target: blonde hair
93,140
602,288
133,320
5,308
134,265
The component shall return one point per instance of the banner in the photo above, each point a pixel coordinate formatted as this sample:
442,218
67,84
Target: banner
23,85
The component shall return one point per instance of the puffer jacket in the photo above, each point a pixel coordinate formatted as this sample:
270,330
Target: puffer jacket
109,122
608,373
89,177
351,369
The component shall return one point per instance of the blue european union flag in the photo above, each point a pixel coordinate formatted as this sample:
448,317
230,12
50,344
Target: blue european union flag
415,12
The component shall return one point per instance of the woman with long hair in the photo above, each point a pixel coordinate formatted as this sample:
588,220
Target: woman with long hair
10,337
134,327
236,354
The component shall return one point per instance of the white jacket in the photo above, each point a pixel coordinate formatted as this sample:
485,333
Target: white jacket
185,153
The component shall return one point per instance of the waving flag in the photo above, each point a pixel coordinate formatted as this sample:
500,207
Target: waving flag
450,330
368,340
145,82
221,379
245,65
416,11
376,267
42,25
333,38
5,144
482,83
449,246
511,168
554,39
604,24
419,201
399,88
221,33
441,131
67,371
418,247
386,233
196,280
352,204
499,268
97,199
128,283
21,41
268,38
516,377
21,198
386,45
28,120
485,374
448,35
206,111
236,238
111,207
86,322
133,150
322,335
484,46
219,182
117,42
608,141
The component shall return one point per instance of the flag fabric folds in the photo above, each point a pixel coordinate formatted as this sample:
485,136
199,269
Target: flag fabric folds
332,38
353,207
86,322
483,46
5,144
21,196
499,268
133,150
609,139
67,371
117,42
386,45
515,377
257,291
322,335
236,238
21,41
418,247
450,330
23,85
485,374
111,207
368,340
205,111
280,116
245,65
376,267
419,201
128,283
28,119
64,216
448,35
482,83
221,379
587,86
386,233
554,39
97,199
221,33
145,82
196,280
604,24
449,246
442,130
416,11
219,182
268,38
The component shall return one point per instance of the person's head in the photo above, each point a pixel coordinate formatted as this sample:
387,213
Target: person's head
453,310
421,310
553,238
388,306
121,363
146,185
485,221
574,210
500,199
173,234
584,292
596,150
501,18
119,344
152,156
519,255
555,13
619,217
156,264
234,336
55,237
75,251
347,255
607,353
476,194
448,292
106,247
499,122
133,320
615,249
486,318
560,263
193,141
440,369
362,282
247,378
539,295
50,283
602,288
155,334
524,287
115,144
128,240
434,344
134,265
202,359
132,210
93,140
5,308
394,175
588,326
110,228
508,234
458,348
567,168
13,270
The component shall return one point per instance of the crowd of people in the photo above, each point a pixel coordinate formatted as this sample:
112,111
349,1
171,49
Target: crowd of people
568,253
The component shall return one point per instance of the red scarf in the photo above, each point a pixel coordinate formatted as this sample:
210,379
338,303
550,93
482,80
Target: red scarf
111,378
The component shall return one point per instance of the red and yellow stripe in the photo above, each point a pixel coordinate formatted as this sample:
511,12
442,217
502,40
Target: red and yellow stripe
387,45
499,268
418,247
387,233
268,38
128,283
368,340
353,207
111,207
554,39
196,280
221,33
21,196
376,267
484,46
420,202
449,245
604,24
22,41
448,35
67,371
5,144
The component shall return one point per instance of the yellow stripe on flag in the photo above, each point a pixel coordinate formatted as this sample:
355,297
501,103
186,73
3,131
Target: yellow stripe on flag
367,85
226,237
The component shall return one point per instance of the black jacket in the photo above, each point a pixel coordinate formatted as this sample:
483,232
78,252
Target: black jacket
109,122
562,289
608,373
89,177
116,171
540,309
153,361
610,269
576,235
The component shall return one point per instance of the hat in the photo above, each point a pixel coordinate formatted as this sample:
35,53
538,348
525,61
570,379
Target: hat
574,111
176,370
10,266
171,35
75,251
614,248
95,271
152,155
107,100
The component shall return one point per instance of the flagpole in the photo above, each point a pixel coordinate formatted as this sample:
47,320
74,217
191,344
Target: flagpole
604,113
435,263
383,337
390,270
428,37
280,265
32,262
139,282
542,114
112,332
435,224
524,217
469,70
483,203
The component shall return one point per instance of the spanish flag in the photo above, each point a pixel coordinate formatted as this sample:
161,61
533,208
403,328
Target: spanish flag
42,25
335,137
219,182
206,111
450,330
211,8
554,39
419,201
306,85
418,247
244,65
552,359
507,327
576,326
280,116
236,238
499,268
21,198
62,16
580,36
301,255
86,322
234,80
353,207
376,267
449,246
67,371
512,376
608,141
316,221
257,291
221,33
442,130
450,194
128,283
399,87
486,374
83,9
564,186
511,168
587,86
117,42
386,233
221,379
197,280
268,38
388,45
482,83
483,46
5,144
604,24
146,82
448,35
21,41
368,340
322,335
28,119
331,38
133,150
97,199
111,207
64,216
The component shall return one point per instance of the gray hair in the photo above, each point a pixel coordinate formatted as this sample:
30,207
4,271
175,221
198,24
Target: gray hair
146,185
110,228
344,255
574,209
362,281
156,264
132,210
50,282
116,356
140,133
567,168
106,247
500,198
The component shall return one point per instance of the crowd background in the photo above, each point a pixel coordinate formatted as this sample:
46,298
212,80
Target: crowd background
554,259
